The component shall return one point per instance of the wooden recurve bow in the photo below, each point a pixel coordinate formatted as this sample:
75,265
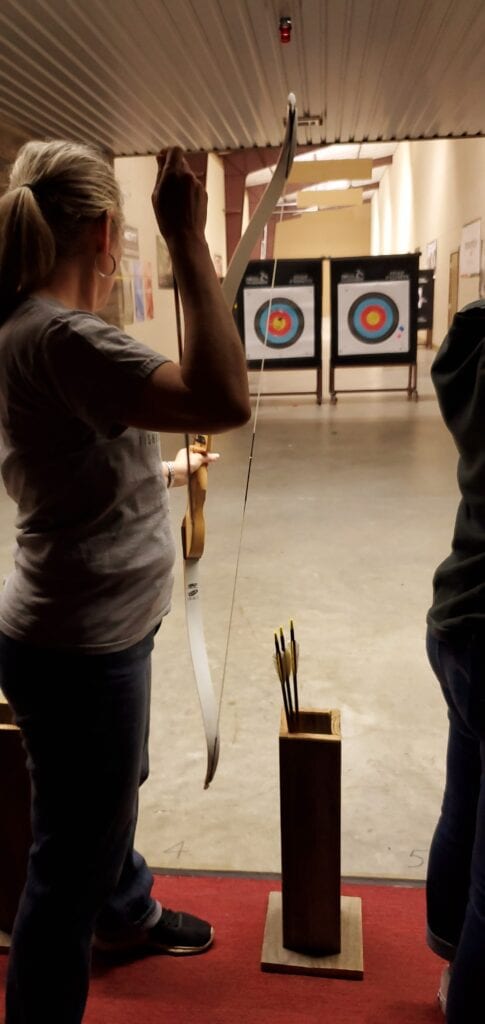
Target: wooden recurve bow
193,526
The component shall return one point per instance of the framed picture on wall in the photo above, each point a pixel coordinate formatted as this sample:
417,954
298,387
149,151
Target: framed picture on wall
482,273
470,249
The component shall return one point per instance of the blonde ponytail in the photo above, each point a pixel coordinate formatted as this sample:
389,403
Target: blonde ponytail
55,188
27,248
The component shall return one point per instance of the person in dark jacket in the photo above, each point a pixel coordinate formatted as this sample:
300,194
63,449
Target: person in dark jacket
456,650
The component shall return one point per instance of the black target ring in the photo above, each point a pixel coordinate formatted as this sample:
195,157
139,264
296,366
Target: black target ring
286,323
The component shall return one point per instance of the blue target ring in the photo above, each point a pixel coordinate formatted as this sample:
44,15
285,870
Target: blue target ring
373,317
279,323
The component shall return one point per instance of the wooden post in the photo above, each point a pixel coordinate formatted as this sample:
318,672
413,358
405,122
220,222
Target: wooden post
310,927
15,832
310,773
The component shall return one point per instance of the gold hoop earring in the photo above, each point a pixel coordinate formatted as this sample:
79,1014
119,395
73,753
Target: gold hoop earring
113,268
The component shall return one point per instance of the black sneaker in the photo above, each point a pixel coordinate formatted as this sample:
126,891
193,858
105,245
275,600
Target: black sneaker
179,934
175,932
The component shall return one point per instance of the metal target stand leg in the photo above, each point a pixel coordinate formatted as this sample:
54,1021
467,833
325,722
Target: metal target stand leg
410,389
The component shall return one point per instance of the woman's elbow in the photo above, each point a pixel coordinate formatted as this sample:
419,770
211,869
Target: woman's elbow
243,413
232,416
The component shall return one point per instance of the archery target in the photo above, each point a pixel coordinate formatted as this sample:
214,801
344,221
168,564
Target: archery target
373,317
279,322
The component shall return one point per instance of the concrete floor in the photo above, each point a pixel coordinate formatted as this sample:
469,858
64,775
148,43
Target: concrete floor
350,509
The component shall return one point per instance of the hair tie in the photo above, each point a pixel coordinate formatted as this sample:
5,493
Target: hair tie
32,188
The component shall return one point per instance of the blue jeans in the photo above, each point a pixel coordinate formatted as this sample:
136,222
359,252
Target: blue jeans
84,722
456,869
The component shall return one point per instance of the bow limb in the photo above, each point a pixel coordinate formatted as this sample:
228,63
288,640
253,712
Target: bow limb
264,209
193,539
193,525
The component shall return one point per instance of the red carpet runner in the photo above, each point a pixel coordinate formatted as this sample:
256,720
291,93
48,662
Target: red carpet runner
227,986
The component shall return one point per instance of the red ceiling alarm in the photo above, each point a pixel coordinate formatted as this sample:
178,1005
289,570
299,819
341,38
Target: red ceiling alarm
285,30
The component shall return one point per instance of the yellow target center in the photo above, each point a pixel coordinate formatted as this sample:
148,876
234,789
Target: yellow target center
373,318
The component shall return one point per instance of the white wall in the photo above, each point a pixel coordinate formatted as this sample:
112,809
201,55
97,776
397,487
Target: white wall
431,190
136,176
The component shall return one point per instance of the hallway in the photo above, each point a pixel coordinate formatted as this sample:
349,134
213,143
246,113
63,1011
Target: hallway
350,508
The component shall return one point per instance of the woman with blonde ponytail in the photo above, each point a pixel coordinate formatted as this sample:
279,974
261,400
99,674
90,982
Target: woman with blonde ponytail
81,405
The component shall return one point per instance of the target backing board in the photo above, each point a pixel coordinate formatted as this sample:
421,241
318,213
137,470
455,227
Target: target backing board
374,310
373,317
280,320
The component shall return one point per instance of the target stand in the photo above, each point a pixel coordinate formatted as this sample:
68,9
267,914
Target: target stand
278,312
374,317
410,388
310,928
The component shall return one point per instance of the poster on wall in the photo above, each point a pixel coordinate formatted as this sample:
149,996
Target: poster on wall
470,249
138,290
126,292
374,310
131,245
147,279
164,264
425,299
482,273
431,254
280,321
217,261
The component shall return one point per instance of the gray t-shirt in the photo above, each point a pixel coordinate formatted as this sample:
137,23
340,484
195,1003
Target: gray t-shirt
94,552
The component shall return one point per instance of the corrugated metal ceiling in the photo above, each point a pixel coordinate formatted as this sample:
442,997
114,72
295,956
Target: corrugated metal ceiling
135,75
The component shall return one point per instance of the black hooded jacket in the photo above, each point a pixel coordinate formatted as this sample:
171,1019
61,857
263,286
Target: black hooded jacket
458,374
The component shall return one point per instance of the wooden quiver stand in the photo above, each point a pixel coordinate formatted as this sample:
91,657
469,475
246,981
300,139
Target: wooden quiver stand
15,832
310,927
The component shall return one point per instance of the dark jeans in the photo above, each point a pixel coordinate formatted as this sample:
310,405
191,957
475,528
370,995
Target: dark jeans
84,722
456,870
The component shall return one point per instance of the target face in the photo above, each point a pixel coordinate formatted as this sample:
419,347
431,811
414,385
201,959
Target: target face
286,316
279,323
373,318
